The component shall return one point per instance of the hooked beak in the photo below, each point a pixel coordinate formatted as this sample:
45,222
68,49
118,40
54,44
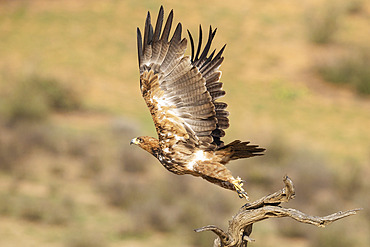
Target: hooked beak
134,141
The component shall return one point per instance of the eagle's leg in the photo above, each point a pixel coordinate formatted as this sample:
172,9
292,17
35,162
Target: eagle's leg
218,174
238,184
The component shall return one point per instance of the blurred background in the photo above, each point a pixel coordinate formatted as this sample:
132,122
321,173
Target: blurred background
298,83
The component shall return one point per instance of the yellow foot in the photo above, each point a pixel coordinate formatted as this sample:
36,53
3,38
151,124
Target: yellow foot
238,184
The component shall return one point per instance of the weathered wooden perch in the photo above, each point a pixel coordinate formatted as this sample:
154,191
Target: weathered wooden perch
240,226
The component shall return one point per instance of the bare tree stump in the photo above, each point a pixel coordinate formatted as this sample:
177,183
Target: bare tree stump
240,226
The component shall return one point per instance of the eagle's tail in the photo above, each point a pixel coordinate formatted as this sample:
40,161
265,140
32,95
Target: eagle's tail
239,150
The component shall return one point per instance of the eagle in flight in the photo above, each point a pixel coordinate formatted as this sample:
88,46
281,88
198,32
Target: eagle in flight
181,93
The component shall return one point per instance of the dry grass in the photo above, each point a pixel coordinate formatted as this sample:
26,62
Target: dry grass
78,163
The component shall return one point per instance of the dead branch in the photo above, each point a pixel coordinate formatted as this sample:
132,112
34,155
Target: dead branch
240,226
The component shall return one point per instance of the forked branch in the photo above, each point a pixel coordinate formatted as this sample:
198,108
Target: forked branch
240,226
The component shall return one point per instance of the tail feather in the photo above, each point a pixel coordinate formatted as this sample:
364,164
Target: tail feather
239,150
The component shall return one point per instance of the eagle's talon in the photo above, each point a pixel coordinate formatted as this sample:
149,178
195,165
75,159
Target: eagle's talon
242,194
238,184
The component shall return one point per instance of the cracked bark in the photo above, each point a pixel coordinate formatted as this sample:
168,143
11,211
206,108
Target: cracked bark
240,226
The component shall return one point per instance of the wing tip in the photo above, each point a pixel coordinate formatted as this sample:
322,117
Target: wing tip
139,45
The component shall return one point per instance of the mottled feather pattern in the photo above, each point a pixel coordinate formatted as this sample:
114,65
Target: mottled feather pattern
163,119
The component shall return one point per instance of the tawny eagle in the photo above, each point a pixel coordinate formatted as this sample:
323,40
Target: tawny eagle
181,92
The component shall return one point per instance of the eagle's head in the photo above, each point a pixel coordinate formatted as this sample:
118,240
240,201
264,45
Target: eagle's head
137,141
147,143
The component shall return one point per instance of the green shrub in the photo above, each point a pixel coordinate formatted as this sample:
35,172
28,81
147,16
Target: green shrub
10,153
54,211
328,237
322,22
119,192
58,96
34,97
18,141
25,104
355,6
349,69
81,236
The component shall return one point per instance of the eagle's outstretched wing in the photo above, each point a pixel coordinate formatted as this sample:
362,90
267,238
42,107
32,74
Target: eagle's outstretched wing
180,91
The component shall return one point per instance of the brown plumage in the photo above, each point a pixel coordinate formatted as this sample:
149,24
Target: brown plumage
181,92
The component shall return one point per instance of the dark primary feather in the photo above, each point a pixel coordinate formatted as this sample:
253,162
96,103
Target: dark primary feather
167,27
158,25
203,57
139,45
